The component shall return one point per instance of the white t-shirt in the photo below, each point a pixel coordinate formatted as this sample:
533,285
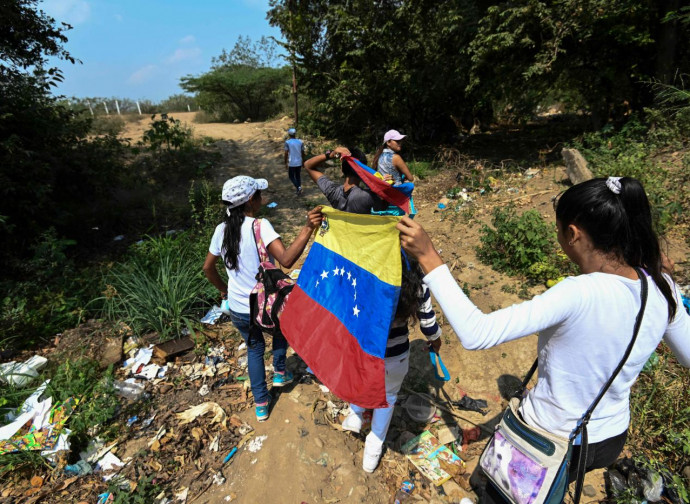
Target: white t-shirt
242,280
585,324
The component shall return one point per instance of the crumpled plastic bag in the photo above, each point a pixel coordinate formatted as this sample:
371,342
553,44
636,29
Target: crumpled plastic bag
478,405
190,414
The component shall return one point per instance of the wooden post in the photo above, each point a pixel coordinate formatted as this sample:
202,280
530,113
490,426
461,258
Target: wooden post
138,107
117,106
90,109
188,108
105,105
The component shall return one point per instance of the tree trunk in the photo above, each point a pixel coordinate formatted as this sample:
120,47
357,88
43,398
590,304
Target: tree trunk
667,40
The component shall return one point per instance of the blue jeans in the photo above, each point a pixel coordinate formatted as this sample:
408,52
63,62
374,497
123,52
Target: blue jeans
295,174
256,346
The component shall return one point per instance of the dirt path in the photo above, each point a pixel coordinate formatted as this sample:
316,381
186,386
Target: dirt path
303,460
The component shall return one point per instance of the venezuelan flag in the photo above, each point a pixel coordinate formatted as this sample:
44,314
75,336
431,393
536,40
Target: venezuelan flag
398,195
338,315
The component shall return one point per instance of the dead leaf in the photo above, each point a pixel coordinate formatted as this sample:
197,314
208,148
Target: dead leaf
67,483
197,433
156,445
37,481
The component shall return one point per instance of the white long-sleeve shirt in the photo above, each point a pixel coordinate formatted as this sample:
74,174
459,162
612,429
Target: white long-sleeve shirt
585,324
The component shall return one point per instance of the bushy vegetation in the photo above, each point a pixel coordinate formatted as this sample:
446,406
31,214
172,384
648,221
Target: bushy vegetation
159,287
660,415
641,148
522,245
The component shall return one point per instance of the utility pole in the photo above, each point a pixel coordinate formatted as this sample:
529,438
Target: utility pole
294,69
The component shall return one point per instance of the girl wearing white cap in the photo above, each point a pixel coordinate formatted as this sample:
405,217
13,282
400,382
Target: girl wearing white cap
387,160
233,240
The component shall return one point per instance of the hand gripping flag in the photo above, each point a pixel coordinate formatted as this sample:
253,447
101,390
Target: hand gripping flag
338,315
398,195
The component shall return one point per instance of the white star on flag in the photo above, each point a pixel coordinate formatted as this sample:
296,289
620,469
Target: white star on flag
317,283
354,282
342,271
355,311
349,277
324,275
335,271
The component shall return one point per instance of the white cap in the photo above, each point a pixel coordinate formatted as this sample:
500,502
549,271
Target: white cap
392,135
238,190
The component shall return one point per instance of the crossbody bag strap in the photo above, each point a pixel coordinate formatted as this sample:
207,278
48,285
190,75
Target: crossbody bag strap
584,443
260,247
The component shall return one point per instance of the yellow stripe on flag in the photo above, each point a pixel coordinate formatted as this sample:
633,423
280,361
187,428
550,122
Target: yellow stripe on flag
370,241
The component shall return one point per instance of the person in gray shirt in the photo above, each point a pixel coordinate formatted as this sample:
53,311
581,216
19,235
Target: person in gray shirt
348,196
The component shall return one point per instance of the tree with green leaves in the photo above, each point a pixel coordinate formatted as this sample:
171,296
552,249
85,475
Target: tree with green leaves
242,83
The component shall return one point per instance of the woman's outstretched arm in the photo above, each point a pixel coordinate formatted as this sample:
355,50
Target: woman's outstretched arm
288,256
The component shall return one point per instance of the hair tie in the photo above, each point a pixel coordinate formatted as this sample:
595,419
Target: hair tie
614,184
227,211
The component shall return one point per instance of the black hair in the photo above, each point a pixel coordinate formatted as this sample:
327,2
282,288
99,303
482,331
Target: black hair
410,289
377,155
357,154
233,219
619,224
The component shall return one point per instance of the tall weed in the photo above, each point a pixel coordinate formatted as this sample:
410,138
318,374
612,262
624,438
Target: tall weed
159,288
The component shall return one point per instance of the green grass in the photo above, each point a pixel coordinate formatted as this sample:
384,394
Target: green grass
160,287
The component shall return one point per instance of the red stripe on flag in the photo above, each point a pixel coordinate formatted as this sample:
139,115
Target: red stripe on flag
383,189
334,354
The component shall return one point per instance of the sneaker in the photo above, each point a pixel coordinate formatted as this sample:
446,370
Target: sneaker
261,411
282,379
352,423
370,459
299,191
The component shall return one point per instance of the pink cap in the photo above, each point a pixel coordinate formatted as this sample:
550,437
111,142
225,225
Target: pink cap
392,135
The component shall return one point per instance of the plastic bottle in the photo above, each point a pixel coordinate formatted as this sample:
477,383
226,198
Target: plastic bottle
128,390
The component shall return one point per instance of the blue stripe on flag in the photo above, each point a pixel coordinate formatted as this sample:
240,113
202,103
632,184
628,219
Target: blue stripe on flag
364,304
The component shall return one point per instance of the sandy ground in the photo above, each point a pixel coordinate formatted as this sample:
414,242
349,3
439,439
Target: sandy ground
302,461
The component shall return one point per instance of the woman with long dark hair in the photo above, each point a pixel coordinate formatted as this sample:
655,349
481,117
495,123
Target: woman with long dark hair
388,161
234,241
585,323
414,303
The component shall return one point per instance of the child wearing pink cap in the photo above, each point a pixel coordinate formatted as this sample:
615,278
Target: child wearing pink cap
387,160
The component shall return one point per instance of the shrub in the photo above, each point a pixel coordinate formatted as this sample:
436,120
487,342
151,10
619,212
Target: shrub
660,414
107,125
522,245
159,288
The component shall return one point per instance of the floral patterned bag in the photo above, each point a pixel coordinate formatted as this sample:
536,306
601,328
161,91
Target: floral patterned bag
267,299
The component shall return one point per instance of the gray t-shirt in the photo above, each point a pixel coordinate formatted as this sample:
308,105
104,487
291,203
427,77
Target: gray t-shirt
355,200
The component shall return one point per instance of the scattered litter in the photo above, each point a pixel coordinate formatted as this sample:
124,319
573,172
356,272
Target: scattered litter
442,206
324,389
272,204
21,374
513,190
212,315
470,435
148,372
80,468
204,390
146,423
132,420
119,238
230,455
651,363
129,346
215,444
161,432
420,408
531,172
41,427
105,498
96,450
218,479
129,389
242,361
242,347
245,428
181,494
447,433
192,413
427,455
254,461
141,359
467,403
109,464
256,444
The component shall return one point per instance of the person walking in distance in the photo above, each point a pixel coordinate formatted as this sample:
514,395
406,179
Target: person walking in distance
293,157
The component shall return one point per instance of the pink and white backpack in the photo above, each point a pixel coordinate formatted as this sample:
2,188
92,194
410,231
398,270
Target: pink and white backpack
267,299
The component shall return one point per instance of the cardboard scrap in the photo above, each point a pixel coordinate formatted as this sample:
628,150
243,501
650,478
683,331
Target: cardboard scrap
434,460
